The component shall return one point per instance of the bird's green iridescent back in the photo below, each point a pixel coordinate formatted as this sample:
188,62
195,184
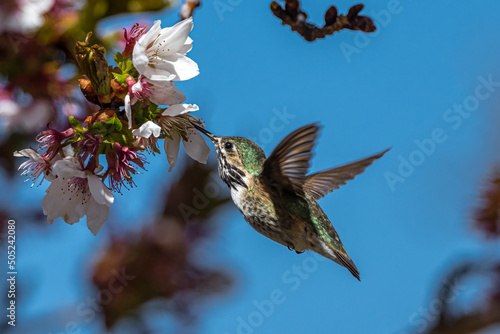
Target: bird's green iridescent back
251,155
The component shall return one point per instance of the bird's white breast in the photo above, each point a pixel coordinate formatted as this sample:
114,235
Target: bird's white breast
237,194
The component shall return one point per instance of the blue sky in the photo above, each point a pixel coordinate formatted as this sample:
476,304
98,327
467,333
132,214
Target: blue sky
260,80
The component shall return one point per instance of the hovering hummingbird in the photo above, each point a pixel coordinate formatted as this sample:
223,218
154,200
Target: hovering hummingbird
278,199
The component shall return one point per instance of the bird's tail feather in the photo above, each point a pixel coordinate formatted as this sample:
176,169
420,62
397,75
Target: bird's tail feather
339,257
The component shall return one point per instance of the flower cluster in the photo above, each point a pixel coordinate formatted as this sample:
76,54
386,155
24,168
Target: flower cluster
139,104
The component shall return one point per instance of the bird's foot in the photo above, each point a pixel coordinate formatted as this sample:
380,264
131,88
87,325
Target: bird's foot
290,246
299,252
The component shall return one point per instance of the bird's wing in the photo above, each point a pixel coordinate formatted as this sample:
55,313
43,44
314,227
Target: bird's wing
319,184
289,161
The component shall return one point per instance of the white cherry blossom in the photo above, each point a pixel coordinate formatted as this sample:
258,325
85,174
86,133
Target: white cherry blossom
160,54
74,193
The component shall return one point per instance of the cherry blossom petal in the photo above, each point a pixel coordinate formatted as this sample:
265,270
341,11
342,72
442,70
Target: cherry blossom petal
137,87
50,177
63,201
68,152
172,149
171,40
151,35
157,74
128,110
179,109
139,56
97,214
196,147
147,129
99,191
186,47
165,93
30,154
51,202
180,67
68,167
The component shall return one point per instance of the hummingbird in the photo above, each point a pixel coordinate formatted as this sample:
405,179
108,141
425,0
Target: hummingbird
278,199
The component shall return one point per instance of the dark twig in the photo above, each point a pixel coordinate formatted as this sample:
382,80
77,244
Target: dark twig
296,18
188,8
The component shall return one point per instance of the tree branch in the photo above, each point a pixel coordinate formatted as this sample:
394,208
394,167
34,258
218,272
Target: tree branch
296,18
188,8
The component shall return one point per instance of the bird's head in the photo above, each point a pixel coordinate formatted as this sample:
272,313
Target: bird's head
238,158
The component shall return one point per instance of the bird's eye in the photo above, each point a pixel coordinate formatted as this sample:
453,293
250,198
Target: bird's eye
228,146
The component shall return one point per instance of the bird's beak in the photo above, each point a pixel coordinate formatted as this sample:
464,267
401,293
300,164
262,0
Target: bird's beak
205,132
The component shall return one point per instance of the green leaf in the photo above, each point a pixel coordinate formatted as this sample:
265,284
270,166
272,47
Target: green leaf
98,128
74,139
120,77
114,124
129,66
118,58
105,147
116,137
157,111
120,61
75,124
